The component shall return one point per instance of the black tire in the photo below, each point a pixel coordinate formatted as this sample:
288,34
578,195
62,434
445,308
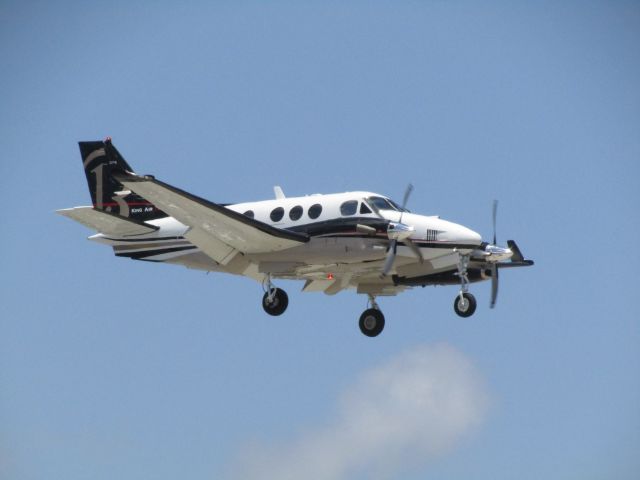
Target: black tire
467,308
371,322
278,304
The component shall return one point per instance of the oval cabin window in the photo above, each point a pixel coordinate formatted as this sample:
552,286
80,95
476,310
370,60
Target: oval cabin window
295,213
315,210
277,214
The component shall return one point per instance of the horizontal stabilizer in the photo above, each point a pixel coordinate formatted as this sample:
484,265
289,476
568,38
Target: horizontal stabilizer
108,223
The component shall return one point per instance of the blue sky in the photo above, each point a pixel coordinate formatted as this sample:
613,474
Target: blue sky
117,369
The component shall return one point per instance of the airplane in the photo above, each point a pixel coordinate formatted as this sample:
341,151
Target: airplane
354,240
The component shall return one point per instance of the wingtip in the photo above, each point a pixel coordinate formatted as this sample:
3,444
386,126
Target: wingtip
65,212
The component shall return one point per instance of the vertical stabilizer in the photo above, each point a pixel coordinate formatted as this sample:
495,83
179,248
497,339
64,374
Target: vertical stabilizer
101,160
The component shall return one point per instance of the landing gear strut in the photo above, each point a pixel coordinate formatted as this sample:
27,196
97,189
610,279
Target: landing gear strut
464,303
372,320
275,300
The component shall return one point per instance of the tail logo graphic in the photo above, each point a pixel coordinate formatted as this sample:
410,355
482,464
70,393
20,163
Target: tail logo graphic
100,161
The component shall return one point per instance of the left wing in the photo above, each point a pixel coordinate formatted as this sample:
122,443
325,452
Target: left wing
218,231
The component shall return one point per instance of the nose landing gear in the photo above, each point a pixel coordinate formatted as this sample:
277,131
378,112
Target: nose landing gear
464,303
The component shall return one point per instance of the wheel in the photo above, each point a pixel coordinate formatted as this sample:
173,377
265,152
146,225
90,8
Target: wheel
465,306
278,304
371,322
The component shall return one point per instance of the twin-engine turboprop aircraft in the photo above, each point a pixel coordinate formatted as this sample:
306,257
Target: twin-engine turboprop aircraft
359,240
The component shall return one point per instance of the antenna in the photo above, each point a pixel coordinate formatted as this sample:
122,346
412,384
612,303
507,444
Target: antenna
278,191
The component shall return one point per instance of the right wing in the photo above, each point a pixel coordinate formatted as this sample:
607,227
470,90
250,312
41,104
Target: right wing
218,231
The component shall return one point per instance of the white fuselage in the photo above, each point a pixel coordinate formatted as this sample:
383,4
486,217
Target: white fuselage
352,240
348,235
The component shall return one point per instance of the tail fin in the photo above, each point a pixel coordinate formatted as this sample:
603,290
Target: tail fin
101,160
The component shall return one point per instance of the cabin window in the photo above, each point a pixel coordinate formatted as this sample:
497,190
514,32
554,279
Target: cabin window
277,214
364,209
350,207
315,211
249,213
295,213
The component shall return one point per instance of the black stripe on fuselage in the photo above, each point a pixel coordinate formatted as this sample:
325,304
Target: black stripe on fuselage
154,239
341,225
422,244
151,253
335,228
141,247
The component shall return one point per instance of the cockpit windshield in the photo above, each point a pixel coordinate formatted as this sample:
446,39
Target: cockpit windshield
398,207
381,203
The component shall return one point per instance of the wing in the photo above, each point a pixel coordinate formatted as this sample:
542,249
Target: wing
108,223
218,231
365,278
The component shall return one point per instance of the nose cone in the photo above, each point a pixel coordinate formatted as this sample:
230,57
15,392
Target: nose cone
459,234
468,236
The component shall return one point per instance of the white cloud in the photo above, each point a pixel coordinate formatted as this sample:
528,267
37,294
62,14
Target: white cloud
398,415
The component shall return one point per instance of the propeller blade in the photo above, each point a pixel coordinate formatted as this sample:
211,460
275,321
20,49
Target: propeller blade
407,193
494,284
391,256
414,248
405,199
495,214
393,245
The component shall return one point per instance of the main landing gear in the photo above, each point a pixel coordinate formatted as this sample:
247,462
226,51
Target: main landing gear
275,300
465,303
372,320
